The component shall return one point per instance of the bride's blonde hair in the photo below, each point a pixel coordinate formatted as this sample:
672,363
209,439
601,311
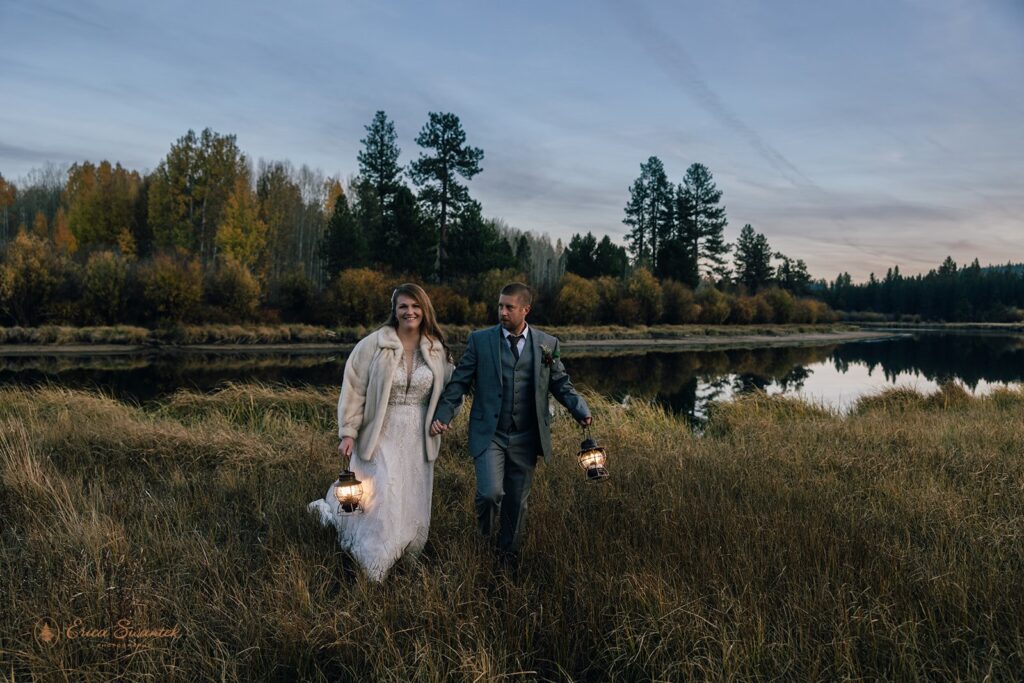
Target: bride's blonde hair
429,326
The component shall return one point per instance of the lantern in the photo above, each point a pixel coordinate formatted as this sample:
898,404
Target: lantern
592,458
348,490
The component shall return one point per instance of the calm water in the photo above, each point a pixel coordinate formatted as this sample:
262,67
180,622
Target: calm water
685,381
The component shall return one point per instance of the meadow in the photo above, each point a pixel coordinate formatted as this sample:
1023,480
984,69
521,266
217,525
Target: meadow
785,542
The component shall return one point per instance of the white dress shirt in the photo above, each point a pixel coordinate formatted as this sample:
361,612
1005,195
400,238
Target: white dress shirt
522,338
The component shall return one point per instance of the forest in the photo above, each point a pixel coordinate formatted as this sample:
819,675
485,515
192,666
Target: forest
209,236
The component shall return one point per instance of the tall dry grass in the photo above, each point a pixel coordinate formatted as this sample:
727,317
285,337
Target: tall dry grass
786,543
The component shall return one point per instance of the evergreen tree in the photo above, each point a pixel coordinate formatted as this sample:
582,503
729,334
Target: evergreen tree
366,210
610,259
649,212
639,236
437,174
580,255
793,276
753,259
676,262
378,160
701,222
476,245
344,244
411,240
524,258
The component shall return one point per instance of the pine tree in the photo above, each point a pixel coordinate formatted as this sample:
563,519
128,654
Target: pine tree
579,256
437,173
701,221
524,259
411,239
344,244
378,160
753,259
793,276
649,212
610,259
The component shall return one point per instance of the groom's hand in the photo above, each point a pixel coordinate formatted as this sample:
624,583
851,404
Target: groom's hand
585,421
437,427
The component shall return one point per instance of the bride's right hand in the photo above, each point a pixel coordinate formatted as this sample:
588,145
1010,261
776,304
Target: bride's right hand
345,447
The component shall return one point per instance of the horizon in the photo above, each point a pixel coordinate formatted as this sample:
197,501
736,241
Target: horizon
856,139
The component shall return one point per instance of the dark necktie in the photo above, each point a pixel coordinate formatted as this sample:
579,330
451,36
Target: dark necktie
513,341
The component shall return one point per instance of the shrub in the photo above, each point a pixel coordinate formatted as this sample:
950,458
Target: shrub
577,302
358,296
743,311
679,304
451,307
295,295
488,286
609,292
104,288
233,288
172,286
480,314
628,312
782,303
645,290
714,306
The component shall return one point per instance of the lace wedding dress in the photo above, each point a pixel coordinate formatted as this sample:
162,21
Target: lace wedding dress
397,482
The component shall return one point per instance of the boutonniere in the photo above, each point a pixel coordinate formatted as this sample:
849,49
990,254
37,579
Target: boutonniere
547,356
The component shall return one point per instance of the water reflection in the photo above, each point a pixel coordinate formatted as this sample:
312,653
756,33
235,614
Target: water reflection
684,381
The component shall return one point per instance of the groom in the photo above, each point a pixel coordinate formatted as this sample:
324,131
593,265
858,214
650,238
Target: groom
514,367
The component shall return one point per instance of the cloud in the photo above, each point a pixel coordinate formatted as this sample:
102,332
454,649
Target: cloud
681,69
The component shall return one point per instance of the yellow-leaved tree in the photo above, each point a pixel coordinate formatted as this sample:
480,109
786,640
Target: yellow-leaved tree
242,235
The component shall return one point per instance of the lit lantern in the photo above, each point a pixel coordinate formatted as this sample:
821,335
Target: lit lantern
349,491
593,458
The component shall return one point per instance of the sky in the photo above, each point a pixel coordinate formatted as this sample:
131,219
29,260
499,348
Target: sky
855,134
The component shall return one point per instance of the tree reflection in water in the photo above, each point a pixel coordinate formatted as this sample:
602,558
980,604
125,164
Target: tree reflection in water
683,381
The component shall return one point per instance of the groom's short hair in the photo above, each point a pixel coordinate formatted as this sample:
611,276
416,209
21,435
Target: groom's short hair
518,289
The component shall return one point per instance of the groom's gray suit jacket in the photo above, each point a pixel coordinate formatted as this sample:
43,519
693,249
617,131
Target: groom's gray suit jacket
481,365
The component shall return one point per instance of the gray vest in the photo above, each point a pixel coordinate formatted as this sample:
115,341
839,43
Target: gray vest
518,411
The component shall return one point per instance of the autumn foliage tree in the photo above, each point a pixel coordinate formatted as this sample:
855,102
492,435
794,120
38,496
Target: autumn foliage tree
101,203
190,189
29,277
242,235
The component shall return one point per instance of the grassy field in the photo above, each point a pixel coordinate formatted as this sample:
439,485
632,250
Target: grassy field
786,543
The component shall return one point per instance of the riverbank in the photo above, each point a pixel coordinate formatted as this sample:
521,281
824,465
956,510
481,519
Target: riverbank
128,341
943,327
787,543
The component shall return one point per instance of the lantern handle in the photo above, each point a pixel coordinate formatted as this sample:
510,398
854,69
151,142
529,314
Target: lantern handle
586,431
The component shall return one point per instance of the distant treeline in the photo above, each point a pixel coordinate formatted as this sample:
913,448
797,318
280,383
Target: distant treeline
208,237
949,293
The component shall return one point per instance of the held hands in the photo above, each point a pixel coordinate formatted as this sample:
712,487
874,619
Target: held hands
438,427
345,447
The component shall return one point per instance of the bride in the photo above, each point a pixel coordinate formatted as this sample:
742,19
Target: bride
393,379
